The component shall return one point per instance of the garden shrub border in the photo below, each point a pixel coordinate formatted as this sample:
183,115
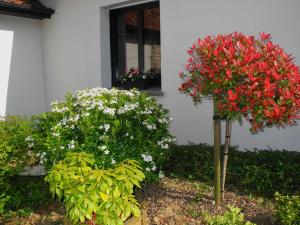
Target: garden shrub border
109,123
261,172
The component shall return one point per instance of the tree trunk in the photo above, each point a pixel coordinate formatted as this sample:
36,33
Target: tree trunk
217,160
225,159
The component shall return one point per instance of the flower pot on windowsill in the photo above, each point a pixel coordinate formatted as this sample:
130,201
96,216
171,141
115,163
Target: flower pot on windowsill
140,84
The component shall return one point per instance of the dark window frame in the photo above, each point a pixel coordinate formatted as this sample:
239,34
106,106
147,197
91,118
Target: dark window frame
114,41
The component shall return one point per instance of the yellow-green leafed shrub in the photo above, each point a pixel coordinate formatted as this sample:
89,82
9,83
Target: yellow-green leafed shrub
97,195
288,209
232,217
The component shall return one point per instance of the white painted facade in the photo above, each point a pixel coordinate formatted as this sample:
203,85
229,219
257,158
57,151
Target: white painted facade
21,66
75,54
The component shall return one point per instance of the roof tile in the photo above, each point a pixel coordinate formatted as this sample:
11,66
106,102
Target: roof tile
28,6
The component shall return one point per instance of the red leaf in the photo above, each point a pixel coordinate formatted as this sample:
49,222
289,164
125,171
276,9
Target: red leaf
232,96
264,36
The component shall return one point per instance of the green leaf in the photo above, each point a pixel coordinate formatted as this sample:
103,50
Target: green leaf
104,197
135,211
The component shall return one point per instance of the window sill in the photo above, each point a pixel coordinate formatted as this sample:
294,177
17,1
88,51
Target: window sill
152,91
155,91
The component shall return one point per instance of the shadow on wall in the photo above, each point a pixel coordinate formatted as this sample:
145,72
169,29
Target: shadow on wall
6,45
22,90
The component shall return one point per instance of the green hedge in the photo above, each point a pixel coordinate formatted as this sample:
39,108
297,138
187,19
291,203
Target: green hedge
260,172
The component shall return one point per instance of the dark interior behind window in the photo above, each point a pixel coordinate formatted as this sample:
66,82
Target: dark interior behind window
135,41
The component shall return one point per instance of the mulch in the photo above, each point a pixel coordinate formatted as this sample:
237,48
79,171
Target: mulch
171,202
179,202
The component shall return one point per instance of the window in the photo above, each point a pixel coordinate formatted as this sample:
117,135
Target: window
135,42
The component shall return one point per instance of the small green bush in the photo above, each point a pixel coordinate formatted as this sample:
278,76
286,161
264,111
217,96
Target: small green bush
3,200
27,193
288,209
113,125
95,195
16,152
232,217
260,172
15,145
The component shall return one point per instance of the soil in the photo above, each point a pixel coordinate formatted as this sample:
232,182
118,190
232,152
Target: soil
51,214
179,202
170,202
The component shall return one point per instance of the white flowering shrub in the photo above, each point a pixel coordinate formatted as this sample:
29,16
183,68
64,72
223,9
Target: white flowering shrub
114,125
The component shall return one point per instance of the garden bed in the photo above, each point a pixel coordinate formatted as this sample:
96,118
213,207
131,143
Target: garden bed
176,201
169,202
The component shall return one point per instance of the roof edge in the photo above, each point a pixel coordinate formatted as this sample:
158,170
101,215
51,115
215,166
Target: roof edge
33,13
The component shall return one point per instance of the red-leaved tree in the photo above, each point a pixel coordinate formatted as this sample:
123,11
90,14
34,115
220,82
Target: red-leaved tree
246,77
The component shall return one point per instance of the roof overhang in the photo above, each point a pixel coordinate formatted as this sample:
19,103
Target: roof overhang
26,10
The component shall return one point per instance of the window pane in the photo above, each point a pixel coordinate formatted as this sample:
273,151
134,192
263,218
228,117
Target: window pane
132,48
127,41
151,30
135,42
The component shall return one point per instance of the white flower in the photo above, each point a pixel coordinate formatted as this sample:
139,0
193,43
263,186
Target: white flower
102,137
147,112
154,168
109,111
163,120
106,152
103,147
56,134
106,127
149,126
131,137
147,158
59,110
29,139
77,117
42,157
30,145
113,161
161,174
165,146
148,169
63,121
71,145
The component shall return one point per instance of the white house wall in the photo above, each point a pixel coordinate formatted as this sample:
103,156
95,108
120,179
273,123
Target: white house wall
21,77
76,53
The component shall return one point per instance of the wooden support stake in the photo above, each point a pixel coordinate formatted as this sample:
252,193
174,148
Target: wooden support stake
225,158
217,160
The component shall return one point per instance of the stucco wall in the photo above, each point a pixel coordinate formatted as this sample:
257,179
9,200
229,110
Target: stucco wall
22,82
76,52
